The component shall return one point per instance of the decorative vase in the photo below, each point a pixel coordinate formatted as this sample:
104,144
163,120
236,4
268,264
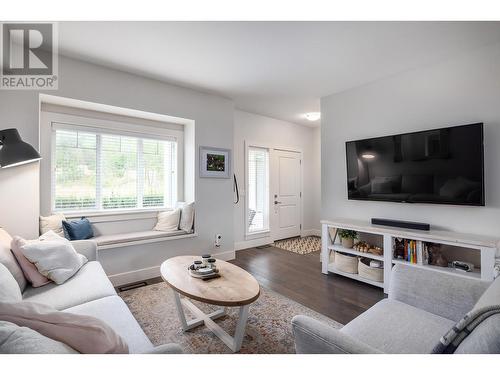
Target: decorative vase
347,242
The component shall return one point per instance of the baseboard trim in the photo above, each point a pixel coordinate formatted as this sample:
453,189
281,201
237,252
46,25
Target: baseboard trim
134,276
252,243
226,255
152,272
311,232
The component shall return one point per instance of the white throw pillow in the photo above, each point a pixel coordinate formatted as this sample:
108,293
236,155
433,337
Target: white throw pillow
187,217
56,260
50,236
168,221
52,222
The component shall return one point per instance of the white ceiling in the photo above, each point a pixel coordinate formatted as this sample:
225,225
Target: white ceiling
278,69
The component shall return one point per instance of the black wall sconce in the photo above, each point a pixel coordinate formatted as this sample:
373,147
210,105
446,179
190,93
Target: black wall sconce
14,151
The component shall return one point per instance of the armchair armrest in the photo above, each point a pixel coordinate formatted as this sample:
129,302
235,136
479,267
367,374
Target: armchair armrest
165,349
314,337
87,248
436,292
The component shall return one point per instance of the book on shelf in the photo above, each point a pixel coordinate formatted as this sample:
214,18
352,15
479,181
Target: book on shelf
409,251
412,252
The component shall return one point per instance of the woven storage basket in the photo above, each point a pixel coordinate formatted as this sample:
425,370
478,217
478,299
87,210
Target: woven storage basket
370,273
346,263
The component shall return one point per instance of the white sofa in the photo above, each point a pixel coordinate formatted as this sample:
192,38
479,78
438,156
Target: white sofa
88,292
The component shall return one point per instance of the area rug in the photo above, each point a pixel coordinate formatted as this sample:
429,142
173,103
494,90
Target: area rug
269,329
300,245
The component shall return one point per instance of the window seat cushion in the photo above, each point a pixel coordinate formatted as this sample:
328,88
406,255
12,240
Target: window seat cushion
112,239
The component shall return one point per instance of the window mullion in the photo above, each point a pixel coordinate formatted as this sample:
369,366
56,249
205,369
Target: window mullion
98,182
167,175
140,173
53,153
173,174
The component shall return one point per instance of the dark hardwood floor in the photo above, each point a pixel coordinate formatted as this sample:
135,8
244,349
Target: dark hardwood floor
299,278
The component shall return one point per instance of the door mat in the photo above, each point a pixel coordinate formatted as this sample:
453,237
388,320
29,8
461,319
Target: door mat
300,245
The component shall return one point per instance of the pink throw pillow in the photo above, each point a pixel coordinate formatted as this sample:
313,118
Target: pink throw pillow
30,271
85,334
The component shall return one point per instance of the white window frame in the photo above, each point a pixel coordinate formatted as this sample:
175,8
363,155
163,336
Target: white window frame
133,129
267,230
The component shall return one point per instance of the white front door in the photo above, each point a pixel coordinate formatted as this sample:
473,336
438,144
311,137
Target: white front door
285,200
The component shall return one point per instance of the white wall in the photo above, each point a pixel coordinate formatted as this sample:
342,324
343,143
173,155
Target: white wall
459,91
315,190
261,130
213,118
19,199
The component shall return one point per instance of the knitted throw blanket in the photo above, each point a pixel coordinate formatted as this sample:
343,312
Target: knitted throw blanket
452,339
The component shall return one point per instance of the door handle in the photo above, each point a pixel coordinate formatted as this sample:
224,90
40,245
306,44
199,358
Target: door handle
276,202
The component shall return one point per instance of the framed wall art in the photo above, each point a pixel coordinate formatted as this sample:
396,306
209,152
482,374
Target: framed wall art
215,162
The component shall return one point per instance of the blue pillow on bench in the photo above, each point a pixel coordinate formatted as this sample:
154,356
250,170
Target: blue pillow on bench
78,229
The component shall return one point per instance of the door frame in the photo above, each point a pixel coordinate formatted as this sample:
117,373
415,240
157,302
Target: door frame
271,148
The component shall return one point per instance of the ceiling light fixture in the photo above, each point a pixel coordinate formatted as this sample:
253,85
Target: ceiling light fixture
368,155
313,116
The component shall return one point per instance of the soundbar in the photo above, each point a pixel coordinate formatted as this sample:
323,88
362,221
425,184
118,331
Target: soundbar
401,224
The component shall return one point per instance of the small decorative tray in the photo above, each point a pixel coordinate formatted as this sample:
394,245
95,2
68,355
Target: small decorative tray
205,269
204,273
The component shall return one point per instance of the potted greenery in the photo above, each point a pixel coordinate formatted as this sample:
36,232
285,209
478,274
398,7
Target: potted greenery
347,237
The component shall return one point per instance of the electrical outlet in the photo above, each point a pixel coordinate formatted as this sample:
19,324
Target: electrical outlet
218,239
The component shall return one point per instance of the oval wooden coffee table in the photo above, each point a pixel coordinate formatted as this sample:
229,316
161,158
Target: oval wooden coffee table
235,288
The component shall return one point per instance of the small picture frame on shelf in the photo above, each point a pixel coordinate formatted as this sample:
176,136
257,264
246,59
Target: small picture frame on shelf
215,162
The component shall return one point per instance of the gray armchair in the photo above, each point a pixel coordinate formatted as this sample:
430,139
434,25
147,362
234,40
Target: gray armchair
422,306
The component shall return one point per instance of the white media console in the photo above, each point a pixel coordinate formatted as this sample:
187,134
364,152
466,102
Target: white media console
484,249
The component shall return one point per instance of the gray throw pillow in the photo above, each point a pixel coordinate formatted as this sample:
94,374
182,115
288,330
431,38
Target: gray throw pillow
484,339
9,288
9,261
23,340
490,297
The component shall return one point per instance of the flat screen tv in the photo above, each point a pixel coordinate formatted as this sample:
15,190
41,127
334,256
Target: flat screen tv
443,166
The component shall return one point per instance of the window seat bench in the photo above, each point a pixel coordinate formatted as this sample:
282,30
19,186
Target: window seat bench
134,238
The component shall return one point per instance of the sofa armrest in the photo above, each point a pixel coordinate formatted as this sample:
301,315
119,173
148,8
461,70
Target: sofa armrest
436,292
87,248
314,337
165,349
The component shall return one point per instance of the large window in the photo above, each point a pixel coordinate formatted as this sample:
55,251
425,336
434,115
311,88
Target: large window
258,189
97,171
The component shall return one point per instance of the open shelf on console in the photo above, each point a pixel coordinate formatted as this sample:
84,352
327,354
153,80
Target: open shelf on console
476,274
355,276
343,249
